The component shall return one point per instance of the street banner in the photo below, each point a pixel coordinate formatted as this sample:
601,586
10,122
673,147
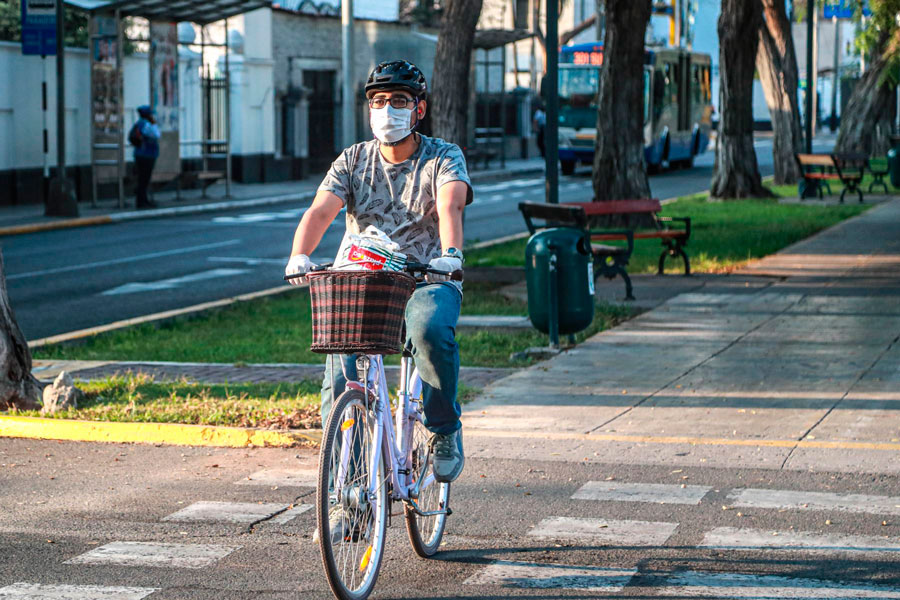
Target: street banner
39,27
164,74
164,93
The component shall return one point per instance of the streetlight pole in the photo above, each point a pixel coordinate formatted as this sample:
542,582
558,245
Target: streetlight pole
810,67
348,106
551,97
61,201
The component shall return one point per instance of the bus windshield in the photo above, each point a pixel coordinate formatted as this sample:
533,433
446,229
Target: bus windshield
578,96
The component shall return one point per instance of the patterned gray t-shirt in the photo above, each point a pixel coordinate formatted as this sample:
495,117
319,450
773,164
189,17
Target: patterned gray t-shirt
399,199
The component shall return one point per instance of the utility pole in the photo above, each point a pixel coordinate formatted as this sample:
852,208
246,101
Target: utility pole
61,201
551,92
348,106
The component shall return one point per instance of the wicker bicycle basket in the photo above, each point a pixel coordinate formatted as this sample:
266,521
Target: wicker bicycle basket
359,311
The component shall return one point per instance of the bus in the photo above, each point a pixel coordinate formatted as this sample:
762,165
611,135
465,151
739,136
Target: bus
677,105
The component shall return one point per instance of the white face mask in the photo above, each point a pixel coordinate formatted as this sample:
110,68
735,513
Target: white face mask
389,124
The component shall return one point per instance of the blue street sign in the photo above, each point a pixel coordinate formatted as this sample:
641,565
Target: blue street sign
843,9
39,27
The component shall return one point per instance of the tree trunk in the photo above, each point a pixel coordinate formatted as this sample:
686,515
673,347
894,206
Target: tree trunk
736,174
18,387
776,62
620,172
453,60
866,123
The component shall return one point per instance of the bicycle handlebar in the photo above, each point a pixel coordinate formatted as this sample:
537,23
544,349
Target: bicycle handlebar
412,267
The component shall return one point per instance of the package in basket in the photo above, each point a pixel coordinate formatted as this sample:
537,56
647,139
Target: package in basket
372,250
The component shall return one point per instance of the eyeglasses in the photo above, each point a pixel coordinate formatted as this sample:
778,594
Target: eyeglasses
396,102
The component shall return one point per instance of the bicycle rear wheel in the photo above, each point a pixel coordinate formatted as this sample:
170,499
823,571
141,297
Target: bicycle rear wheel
425,533
351,523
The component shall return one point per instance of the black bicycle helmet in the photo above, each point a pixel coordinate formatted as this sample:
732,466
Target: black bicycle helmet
397,74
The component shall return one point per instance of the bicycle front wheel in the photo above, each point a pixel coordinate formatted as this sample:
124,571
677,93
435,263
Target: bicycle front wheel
351,519
425,533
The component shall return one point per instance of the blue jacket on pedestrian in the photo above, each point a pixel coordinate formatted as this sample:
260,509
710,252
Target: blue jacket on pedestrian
149,147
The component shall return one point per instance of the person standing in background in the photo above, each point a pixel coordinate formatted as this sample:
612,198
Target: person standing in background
540,122
144,136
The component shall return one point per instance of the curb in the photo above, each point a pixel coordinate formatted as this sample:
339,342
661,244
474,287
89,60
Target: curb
151,433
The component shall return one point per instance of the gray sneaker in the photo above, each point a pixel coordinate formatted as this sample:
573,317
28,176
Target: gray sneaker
339,526
449,459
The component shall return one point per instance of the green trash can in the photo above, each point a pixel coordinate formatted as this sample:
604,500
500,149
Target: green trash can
893,157
560,280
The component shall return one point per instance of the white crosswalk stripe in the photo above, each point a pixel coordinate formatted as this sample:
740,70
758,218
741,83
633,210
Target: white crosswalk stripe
37,591
552,576
789,499
607,531
238,512
283,478
733,538
659,493
148,554
691,584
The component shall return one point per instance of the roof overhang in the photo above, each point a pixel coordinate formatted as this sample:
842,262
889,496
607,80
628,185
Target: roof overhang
201,12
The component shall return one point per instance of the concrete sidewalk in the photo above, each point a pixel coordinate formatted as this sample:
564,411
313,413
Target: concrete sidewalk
30,218
794,363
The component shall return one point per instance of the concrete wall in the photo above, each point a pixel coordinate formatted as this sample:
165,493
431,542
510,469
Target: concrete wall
307,42
21,122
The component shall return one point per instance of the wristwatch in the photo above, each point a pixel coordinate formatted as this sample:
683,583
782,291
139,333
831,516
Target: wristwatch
454,253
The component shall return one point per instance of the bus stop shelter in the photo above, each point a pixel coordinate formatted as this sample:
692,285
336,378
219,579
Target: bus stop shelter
107,44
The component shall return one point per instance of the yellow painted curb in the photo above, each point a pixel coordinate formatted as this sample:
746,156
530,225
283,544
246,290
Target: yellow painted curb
35,227
150,433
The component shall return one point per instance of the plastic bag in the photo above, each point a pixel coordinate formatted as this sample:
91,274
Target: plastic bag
372,250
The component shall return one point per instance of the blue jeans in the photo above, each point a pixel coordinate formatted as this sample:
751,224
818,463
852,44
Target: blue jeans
431,316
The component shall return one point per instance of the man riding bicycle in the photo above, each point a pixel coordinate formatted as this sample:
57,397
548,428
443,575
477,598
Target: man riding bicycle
414,188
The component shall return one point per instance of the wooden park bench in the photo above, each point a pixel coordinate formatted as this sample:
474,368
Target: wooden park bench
819,169
879,169
486,146
611,260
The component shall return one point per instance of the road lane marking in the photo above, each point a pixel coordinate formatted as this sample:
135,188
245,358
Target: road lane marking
171,283
263,217
247,218
118,261
691,584
515,183
607,531
789,499
149,554
38,591
283,478
238,512
659,493
250,262
734,538
544,576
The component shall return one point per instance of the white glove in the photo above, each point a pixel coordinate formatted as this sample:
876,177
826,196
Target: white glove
443,263
298,264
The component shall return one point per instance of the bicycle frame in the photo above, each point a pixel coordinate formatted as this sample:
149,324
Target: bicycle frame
394,441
